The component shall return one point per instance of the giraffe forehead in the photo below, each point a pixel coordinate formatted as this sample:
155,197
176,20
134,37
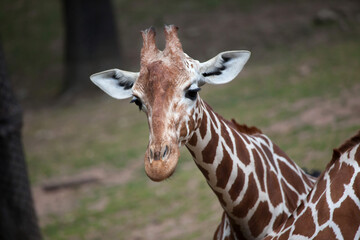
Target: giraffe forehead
165,76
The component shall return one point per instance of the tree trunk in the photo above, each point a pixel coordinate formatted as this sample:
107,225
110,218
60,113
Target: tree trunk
91,42
18,220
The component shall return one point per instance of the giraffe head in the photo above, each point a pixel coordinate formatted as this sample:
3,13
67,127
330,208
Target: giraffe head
166,89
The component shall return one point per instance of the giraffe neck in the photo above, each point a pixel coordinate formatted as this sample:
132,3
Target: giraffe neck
257,185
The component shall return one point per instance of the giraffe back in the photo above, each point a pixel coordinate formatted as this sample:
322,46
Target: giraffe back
332,209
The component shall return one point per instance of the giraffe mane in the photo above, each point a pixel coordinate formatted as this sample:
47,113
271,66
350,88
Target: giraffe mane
348,144
243,128
354,140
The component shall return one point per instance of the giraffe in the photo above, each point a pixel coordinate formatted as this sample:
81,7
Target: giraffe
332,208
258,186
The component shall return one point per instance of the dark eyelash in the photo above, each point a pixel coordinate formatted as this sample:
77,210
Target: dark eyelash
192,93
137,102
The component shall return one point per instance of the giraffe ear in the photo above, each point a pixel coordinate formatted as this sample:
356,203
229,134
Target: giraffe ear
117,83
224,67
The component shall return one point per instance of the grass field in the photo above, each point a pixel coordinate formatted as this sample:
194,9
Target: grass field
308,102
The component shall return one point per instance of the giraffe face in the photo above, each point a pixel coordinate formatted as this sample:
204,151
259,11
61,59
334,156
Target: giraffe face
166,89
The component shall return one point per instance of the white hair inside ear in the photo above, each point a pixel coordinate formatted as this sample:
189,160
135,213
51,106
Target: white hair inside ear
116,83
224,67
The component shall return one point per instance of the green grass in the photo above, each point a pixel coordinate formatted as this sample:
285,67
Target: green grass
131,206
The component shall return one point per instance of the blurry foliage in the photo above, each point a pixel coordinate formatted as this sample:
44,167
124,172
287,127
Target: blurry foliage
31,32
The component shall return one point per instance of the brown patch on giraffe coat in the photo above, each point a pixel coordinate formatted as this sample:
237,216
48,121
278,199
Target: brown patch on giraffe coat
226,137
203,126
191,122
347,217
340,179
356,185
357,155
183,129
224,169
213,119
305,225
220,197
243,128
209,151
260,219
246,138
291,219
326,233
249,199
306,178
259,169
291,197
237,185
285,235
193,140
270,155
323,211
280,219
241,150
281,153
236,230
320,188
334,168
273,187
263,138
267,164
292,177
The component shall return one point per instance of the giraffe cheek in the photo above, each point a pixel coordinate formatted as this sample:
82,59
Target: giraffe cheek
183,131
161,169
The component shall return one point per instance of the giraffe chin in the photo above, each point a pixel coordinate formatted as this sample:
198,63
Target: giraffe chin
159,170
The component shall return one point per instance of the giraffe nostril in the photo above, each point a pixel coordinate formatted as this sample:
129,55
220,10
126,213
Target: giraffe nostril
165,151
159,155
151,154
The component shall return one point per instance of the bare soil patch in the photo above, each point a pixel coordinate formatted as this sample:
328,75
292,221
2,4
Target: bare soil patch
344,110
64,200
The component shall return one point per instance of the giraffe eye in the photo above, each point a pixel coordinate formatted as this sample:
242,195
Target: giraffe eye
192,93
137,102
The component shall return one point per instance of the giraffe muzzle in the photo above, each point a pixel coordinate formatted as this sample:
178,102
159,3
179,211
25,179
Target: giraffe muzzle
160,162
159,155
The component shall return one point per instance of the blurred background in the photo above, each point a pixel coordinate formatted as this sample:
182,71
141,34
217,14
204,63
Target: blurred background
84,150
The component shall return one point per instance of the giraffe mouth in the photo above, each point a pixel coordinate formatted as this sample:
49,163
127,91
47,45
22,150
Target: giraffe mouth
160,165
